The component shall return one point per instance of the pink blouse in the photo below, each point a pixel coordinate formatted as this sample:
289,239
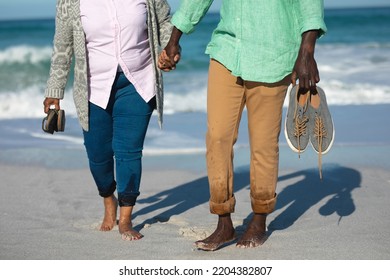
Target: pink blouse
117,40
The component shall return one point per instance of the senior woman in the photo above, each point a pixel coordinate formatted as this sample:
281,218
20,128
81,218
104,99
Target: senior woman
117,85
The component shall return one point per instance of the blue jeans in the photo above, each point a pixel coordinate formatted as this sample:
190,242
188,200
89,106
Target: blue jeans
118,132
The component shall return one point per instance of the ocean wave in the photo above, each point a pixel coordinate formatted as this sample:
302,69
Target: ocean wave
193,101
350,75
28,102
357,64
78,141
363,45
339,93
25,54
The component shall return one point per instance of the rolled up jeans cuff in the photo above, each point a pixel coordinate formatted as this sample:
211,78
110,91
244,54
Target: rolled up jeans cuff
226,207
261,206
108,192
126,200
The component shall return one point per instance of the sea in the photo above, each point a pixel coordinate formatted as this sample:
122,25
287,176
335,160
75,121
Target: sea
353,60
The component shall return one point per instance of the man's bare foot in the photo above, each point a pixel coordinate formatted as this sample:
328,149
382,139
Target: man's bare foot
223,234
125,225
110,208
255,234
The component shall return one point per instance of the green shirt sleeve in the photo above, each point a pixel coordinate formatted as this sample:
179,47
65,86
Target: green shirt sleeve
189,14
311,15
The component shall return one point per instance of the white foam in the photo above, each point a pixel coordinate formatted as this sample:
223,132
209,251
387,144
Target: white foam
57,136
29,103
25,54
350,75
193,101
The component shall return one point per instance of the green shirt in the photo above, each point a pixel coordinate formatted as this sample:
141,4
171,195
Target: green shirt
257,40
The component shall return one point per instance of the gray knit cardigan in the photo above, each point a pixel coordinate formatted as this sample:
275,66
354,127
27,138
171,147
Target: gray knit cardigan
69,42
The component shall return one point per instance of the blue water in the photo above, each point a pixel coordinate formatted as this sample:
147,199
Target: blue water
353,59
357,26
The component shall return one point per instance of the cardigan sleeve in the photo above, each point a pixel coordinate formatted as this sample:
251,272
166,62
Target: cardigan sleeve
61,59
163,15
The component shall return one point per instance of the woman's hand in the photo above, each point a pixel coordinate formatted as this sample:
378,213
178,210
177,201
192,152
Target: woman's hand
48,102
164,62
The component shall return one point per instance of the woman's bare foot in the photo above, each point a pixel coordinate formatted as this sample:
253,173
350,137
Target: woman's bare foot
223,234
255,234
110,208
125,225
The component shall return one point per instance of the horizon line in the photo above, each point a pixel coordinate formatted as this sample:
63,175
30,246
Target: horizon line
213,12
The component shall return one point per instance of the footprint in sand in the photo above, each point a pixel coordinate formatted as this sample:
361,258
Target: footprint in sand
88,225
194,232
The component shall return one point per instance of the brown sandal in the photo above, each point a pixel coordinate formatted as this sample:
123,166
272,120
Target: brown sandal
54,121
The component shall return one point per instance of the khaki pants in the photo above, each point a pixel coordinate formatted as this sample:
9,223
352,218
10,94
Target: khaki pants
227,96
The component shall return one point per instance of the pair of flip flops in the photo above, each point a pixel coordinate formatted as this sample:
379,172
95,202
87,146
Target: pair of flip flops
54,121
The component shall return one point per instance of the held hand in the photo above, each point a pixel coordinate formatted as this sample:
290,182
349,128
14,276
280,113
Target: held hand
48,102
170,56
164,62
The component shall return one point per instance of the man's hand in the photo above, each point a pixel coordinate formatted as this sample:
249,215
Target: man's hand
48,102
305,69
170,56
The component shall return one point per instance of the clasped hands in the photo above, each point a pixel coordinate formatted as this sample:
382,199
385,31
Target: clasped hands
169,57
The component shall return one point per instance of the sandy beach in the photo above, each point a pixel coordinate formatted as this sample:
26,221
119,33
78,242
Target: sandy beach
50,210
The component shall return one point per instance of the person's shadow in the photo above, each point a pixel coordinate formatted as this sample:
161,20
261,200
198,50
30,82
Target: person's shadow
338,183
183,198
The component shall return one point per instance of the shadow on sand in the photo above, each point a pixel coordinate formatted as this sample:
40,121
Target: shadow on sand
297,198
